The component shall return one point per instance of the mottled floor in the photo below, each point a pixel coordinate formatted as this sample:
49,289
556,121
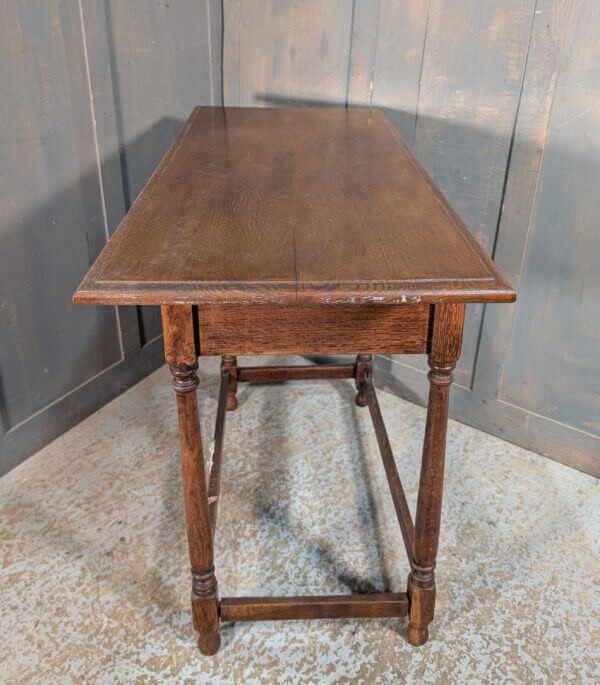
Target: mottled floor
94,583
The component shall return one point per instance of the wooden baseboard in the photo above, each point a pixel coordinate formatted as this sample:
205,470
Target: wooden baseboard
551,439
48,424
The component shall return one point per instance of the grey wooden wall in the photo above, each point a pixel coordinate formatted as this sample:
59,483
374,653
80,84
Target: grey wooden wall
500,101
91,94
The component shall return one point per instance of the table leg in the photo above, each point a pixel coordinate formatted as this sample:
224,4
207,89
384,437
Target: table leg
445,351
229,362
178,331
364,369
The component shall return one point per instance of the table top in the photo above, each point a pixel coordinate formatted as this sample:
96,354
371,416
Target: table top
306,205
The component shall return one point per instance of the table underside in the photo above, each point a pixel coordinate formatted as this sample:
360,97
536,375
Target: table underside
190,332
324,606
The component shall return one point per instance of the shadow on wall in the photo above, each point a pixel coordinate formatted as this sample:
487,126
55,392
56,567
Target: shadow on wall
546,244
476,196
50,346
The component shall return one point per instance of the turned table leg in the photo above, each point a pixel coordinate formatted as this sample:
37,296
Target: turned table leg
363,371
445,351
229,363
180,353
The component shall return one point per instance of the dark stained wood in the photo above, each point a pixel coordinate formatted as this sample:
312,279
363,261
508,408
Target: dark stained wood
363,369
329,606
299,232
179,336
229,364
276,374
448,322
447,332
407,527
178,333
314,206
291,329
216,458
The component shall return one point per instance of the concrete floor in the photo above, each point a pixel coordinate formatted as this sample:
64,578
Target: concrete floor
95,581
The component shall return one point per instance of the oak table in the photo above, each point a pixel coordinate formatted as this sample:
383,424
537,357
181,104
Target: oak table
299,231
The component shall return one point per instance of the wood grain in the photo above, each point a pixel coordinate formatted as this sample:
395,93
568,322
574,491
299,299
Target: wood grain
563,252
178,334
244,329
291,205
468,103
163,49
330,606
548,32
402,31
62,193
277,374
295,49
445,350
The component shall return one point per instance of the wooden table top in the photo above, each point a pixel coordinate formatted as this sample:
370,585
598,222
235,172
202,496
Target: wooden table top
307,205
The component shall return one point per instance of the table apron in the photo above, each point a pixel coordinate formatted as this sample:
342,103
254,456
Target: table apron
327,329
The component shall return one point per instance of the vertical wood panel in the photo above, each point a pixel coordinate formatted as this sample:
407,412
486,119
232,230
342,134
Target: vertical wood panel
286,52
536,375
103,112
363,46
401,41
550,25
71,110
468,101
161,67
51,212
561,279
471,87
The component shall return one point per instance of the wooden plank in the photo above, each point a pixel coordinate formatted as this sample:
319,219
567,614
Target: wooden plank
469,95
405,521
560,378
337,212
363,47
550,25
329,606
162,65
51,224
401,38
215,458
112,183
243,329
286,52
276,374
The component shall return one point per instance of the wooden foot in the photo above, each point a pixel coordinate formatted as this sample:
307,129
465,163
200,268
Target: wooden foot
205,612
363,371
421,589
180,352
229,363
417,636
